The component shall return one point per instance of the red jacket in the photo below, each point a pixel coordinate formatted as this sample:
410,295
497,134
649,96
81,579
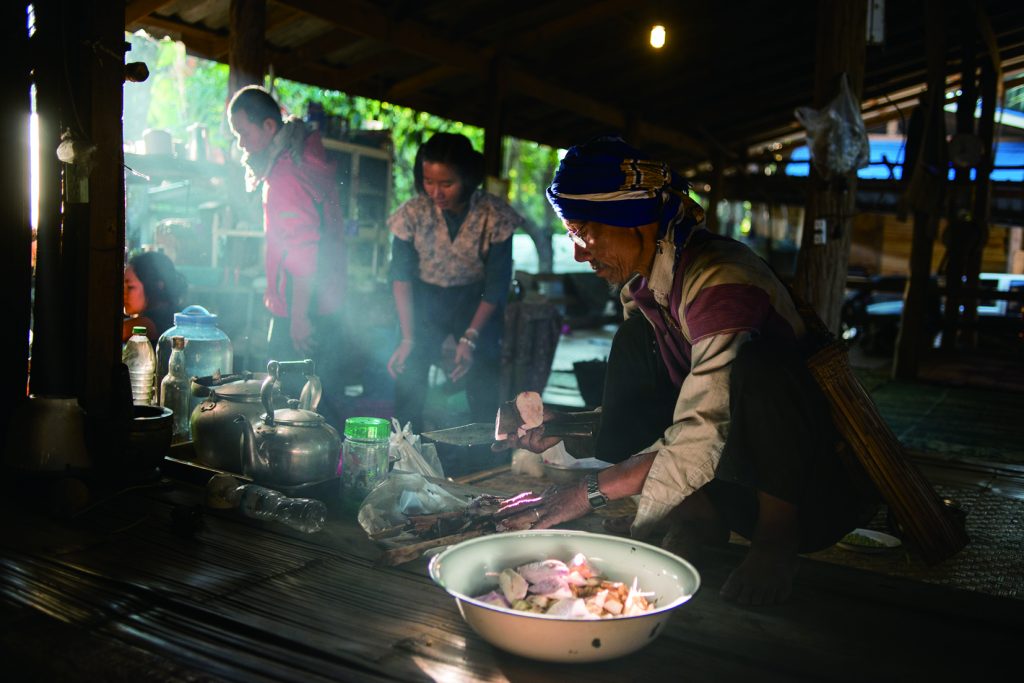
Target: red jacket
304,228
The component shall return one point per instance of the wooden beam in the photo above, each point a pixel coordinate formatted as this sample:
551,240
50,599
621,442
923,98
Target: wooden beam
420,81
316,49
550,30
281,20
143,8
333,78
246,36
414,38
199,41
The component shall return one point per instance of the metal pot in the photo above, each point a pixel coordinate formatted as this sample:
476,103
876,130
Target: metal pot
215,434
287,446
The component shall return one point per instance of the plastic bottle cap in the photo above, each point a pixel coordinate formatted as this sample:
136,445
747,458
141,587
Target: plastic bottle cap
195,315
138,329
375,428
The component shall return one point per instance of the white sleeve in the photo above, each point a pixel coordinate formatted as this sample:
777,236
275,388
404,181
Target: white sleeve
689,450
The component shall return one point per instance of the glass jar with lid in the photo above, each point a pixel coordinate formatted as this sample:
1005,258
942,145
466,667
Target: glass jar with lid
364,458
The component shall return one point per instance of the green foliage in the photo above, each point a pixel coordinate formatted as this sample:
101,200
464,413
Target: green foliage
183,89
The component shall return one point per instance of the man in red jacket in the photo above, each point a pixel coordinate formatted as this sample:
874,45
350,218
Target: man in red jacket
305,259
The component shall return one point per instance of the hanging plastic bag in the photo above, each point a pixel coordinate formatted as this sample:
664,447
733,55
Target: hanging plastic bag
409,455
836,136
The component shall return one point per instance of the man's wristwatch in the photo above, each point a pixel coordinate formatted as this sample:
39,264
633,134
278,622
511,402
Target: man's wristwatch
594,495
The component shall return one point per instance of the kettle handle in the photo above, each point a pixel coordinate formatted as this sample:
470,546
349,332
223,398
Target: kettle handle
311,392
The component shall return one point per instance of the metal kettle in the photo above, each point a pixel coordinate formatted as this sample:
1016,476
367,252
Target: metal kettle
289,446
215,435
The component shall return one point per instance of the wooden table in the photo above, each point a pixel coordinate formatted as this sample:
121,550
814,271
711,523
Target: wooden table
125,593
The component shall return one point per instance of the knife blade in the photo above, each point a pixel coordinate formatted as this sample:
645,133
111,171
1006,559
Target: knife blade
582,424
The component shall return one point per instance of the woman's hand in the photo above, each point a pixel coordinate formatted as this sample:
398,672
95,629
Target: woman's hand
555,505
463,359
396,364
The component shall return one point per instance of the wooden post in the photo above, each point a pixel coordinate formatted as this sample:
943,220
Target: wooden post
960,227
715,195
247,21
494,129
15,229
926,141
982,191
99,354
78,66
53,312
820,277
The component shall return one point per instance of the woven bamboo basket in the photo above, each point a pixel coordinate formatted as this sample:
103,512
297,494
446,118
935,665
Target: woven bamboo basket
918,509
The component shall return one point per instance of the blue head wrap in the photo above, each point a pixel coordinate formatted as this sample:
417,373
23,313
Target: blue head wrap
608,181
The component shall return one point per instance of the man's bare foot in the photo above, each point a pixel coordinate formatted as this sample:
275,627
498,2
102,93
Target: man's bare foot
765,577
693,526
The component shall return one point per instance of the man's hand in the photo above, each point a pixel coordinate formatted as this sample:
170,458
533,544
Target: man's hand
534,439
555,505
302,335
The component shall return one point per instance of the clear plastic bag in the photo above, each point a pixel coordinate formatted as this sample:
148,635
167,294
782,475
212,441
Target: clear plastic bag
409,455
401,495
836,136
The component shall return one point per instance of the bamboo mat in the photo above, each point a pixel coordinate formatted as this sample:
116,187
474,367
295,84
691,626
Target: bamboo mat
955,422
126,594
992,563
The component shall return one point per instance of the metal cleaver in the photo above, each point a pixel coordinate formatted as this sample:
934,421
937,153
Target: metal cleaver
582,424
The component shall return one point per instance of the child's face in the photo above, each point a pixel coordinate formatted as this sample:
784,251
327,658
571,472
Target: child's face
134,293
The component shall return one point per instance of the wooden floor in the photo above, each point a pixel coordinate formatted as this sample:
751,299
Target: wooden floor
150,585
133,590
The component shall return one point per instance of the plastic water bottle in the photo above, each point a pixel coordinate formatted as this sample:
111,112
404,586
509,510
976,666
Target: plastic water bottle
140,358
304,514
175,391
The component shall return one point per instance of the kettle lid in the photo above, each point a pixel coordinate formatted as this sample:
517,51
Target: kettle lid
297,417
243,390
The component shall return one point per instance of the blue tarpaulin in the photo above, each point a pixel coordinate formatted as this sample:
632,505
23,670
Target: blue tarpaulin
1008,154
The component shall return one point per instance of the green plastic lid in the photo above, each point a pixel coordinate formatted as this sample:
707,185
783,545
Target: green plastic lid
138,329
370,428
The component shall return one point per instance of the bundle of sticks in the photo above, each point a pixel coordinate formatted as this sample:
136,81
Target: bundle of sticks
483,515
929,526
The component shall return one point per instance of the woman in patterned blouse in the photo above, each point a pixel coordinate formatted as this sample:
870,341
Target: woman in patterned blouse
451,269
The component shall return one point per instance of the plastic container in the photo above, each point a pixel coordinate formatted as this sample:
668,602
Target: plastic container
138,355
364,458
176,391
307,515
208,351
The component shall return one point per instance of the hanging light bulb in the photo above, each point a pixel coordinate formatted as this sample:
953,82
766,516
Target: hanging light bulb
657,36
